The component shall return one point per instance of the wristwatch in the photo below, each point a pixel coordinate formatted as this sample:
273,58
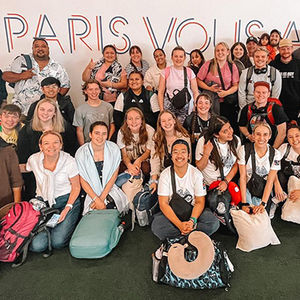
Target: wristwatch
263,203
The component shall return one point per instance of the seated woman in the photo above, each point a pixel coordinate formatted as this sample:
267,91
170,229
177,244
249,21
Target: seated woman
189,186
46,117
289,175
196,60
172,80
220,78
136,96
98,164
137,63
198,120
168,131
57,183
152,75
267,163
11,178
108,72
216,153
240,56
135,140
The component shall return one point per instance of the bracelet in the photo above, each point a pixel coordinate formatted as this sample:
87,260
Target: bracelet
95,198
153,181
226,181
69,205
194,220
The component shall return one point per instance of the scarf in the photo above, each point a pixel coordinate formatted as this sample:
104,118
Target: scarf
88,171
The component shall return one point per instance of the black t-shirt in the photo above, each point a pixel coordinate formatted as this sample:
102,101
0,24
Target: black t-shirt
260,114
200,124
290,91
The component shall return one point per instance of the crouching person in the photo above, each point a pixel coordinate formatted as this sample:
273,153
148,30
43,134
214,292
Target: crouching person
182,198
57,183
98,232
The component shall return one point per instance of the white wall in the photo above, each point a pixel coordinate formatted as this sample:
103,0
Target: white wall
193,24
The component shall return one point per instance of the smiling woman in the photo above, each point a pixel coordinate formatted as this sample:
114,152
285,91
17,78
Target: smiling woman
58,184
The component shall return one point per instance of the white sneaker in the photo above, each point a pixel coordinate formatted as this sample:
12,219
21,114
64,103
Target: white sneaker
272,210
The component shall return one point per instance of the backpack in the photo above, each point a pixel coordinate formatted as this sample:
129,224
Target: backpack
28,66
145,205
269,110
250,73
18,228
216,274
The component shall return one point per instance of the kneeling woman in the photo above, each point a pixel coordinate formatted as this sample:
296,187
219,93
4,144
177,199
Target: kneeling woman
262,161
182,182
98,163
168,131
57,182
135,140
216,153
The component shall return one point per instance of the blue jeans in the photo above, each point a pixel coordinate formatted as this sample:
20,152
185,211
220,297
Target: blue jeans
62,232
163,228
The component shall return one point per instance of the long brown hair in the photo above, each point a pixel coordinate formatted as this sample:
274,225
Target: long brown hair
215,126
127,134
159,137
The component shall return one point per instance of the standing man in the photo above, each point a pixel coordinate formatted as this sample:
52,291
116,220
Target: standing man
27,72
259,72
289,68
263,110
275,38
94,109
251,45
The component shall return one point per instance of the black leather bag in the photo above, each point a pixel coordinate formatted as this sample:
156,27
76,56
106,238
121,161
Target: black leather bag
183,97
181,208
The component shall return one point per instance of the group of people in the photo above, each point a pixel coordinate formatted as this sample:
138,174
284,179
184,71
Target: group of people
237,118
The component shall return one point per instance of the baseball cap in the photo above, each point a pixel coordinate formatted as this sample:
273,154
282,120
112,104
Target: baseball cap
252,39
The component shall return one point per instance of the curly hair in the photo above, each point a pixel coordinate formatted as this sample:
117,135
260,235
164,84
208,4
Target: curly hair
127,134
159,137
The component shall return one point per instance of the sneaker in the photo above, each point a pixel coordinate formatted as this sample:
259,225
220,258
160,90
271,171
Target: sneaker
272,210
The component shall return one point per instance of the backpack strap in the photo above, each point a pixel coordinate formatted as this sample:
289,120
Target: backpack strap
247,148
173,180
249,112
287,152
271,155
185,77
272,75
270,112
248,77
28,61
253,161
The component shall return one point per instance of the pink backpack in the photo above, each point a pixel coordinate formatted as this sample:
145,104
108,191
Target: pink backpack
15,230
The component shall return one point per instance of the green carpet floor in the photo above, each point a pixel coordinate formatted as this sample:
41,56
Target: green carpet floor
269,273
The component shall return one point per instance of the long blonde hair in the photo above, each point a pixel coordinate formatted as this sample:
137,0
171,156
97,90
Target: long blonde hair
57,120
213,68
159,137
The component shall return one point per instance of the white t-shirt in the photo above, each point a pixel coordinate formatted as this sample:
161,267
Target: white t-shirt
262,163
133,152
62,177
189,186
292,156
210,173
